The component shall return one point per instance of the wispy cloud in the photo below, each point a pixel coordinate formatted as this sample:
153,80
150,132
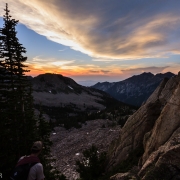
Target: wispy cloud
52,61
61,50
62,63
104,60
100,71
102,29
93,71
151,69
105,71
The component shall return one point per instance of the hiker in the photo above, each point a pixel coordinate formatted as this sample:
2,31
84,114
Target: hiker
32,163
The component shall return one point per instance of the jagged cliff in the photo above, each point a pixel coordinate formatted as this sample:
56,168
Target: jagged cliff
155,129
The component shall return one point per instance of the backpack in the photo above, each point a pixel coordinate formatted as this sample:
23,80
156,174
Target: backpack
21,172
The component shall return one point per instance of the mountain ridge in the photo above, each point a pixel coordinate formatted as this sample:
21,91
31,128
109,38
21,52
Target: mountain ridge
134,90
55,90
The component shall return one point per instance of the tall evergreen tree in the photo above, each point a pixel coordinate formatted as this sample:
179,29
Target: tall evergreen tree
17,121
19,127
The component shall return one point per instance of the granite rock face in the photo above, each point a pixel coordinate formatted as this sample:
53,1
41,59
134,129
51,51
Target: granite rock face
132,134
155,127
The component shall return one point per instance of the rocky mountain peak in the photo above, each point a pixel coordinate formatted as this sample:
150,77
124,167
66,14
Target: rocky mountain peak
168,75
143,76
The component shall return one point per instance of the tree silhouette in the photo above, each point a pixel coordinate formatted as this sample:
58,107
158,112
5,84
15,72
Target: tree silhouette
19,127
17,122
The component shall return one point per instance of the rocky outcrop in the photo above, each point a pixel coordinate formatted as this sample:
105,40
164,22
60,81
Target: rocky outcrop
164,161
133,132
156,128
167,122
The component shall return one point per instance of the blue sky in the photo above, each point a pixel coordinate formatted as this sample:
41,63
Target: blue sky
100,40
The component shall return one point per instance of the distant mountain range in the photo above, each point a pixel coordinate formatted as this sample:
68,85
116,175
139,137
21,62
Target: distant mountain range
134,90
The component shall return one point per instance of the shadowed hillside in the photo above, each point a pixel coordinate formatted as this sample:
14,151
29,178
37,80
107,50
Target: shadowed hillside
134,90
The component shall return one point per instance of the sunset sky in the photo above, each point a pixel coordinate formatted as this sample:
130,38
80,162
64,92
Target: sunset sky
98,40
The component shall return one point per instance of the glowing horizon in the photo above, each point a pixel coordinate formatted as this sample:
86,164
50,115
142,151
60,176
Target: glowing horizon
98,41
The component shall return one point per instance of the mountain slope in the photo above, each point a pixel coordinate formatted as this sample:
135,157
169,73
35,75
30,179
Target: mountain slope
57,90
134,90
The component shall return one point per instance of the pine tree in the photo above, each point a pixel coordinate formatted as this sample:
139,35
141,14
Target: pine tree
17,121
19,127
